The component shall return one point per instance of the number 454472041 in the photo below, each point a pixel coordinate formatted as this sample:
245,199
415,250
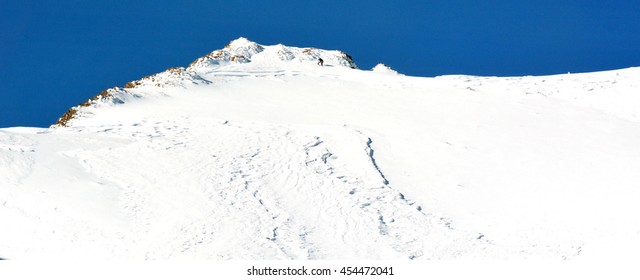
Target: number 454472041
366,270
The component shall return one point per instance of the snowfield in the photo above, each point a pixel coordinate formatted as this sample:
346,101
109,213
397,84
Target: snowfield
256,152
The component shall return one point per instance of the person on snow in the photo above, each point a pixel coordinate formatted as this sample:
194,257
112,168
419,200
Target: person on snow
320,61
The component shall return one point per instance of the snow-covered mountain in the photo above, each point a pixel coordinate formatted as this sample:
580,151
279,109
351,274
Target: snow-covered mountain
257,152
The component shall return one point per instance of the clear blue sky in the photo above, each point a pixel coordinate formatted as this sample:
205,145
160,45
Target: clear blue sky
56,54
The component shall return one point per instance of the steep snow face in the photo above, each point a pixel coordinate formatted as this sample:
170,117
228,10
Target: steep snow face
274,157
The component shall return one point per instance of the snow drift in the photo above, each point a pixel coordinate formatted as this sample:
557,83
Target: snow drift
256,152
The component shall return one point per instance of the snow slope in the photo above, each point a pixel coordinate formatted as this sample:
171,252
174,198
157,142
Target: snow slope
256,152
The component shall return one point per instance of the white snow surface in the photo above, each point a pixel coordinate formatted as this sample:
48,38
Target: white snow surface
382,68
256,152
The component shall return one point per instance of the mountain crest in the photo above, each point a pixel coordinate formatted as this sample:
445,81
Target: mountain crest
244,45
238,51
242,50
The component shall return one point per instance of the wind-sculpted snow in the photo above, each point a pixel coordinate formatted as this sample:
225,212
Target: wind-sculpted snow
222,190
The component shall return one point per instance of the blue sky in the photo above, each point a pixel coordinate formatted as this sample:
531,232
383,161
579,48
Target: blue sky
56,54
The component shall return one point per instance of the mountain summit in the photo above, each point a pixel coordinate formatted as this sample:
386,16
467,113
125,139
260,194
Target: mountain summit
244,51
239,51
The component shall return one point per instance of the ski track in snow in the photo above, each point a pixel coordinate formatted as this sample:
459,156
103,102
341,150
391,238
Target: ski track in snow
283,192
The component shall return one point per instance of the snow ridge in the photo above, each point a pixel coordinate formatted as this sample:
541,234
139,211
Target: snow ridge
244,51
239,51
